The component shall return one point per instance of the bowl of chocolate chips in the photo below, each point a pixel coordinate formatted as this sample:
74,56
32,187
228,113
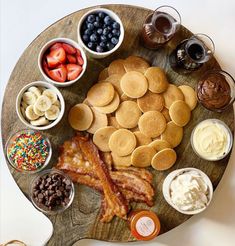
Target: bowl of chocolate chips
52,191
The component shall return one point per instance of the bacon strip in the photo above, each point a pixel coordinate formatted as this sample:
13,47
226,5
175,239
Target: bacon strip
113,196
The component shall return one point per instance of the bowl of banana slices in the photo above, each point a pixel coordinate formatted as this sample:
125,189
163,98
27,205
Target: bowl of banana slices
40,105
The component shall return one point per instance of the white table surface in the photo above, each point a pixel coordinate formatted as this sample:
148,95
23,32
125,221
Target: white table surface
22,20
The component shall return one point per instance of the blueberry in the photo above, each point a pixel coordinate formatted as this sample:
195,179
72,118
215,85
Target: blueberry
97,18
88,32
99,31
91,18
110,35
105,31
90,26
114,40
85,38
110,46
84,26
107,20
103,44
101,15
91,45
97,24
116,32
99,49
116,25
103,38
93,38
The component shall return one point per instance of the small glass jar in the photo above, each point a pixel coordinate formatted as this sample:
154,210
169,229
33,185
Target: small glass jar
144,225
216,90
28,151
45,191
160,26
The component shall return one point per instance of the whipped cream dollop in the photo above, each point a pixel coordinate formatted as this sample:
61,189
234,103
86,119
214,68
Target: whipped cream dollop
189,191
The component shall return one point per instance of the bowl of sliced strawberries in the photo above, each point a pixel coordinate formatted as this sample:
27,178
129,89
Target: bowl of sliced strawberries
62,62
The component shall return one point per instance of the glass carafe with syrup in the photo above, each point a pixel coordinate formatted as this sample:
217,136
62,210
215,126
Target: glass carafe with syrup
160,27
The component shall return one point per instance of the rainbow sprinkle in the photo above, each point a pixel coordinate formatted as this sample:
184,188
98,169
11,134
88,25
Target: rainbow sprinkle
28,150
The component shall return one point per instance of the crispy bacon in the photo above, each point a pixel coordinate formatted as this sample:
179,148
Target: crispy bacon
113,196
81,160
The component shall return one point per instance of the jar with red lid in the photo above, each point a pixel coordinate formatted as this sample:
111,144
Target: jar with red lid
144,225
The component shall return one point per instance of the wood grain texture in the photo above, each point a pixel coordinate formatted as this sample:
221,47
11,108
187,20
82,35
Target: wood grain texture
81,220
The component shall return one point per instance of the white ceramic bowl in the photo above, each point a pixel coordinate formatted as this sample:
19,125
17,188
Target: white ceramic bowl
112,15
48,86
230,140
45,48
171,176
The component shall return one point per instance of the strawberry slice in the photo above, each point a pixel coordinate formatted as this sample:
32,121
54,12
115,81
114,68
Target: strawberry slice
55,46
45,66
80,60
58,54
59,74
78,52
69,49
52,61
73,71
71,59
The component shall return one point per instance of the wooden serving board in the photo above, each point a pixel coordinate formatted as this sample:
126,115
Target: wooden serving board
81,220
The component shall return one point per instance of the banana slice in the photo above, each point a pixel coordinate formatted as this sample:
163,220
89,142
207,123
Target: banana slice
52,113
50,94
30,113
43,103
22,109
35,90
57,103
42,121
24,105
37,111
29,98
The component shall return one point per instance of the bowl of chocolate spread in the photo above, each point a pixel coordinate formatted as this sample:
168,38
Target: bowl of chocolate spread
216,90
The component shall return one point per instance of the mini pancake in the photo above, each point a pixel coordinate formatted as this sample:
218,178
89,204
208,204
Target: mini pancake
128,114
103,74
172,94
100,120
100,94
180,113
101,138
122,142
134,84
142,156
115,79
151,102
121,161
141,139
111,107
135,63
190,96
80,117
159,144
164,159
165,112
152,124
116,67
113,122
173,134
157,79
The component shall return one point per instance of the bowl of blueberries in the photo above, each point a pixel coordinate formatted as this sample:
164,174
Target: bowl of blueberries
100,32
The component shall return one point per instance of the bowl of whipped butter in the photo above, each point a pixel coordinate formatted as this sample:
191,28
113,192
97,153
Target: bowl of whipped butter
211,139
188,190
